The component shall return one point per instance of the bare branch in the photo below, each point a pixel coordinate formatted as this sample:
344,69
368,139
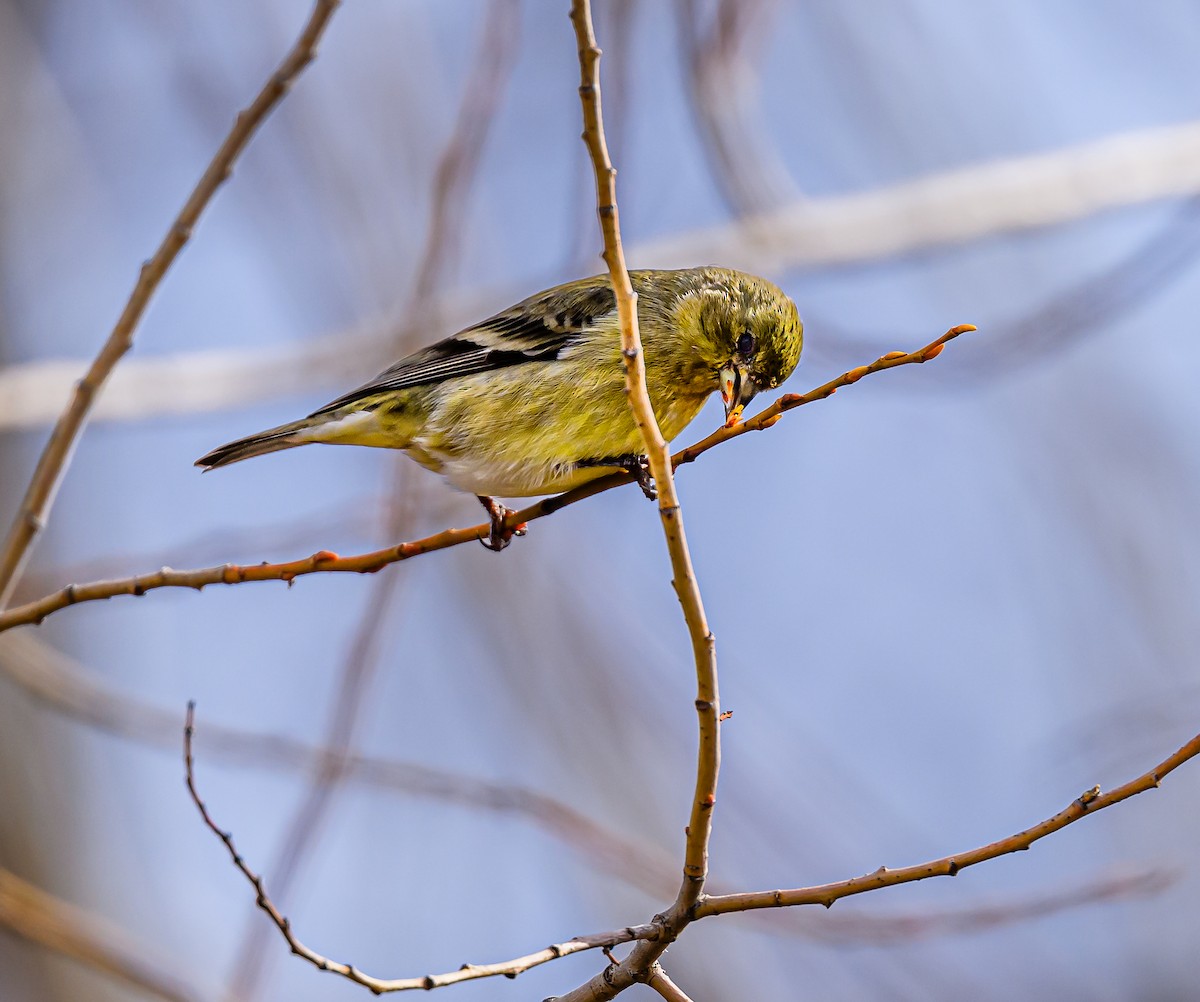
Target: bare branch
661,468
35,507
468,972
1087,804
35,915
687,589
325,561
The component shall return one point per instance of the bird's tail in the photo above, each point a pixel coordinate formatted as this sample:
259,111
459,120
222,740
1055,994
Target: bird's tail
286,436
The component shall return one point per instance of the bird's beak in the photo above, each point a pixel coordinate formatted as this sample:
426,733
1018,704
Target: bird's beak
737,390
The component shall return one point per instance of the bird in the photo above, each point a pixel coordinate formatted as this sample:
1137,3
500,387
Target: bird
532,400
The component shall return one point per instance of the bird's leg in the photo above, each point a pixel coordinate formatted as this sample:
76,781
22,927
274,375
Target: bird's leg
636,466
500,535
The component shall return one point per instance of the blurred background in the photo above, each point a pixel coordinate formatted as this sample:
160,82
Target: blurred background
963,592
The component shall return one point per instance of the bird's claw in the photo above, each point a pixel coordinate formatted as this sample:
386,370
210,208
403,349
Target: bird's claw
640,468
499,535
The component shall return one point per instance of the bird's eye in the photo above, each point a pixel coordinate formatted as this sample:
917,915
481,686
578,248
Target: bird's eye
746,344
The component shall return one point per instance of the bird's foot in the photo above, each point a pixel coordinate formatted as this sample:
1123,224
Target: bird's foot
500,534
637,467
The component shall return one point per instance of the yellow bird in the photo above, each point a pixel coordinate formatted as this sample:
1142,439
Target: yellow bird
532,400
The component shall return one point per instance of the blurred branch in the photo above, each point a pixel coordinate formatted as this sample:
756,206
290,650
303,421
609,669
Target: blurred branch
936,210
457,168
368,563
67,687
951,207
468,972
1093,303
35,506
1088,803
746,168
456,171
459,162
33,914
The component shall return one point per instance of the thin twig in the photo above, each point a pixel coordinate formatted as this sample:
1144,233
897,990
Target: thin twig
468,972
307,820
1087,804
35,506
367,563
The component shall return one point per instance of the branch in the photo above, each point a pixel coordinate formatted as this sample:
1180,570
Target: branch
661,467
658,980
35,507
468,972
859,927
1088,803
325,561
33,914
687,589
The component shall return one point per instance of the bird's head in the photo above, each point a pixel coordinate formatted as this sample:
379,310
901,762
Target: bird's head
750,336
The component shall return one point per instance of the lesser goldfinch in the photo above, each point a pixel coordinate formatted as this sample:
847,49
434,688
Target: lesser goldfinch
532,400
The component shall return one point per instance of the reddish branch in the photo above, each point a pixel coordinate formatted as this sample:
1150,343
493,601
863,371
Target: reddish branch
324,561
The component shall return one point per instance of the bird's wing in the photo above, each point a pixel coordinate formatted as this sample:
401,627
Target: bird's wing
539,329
